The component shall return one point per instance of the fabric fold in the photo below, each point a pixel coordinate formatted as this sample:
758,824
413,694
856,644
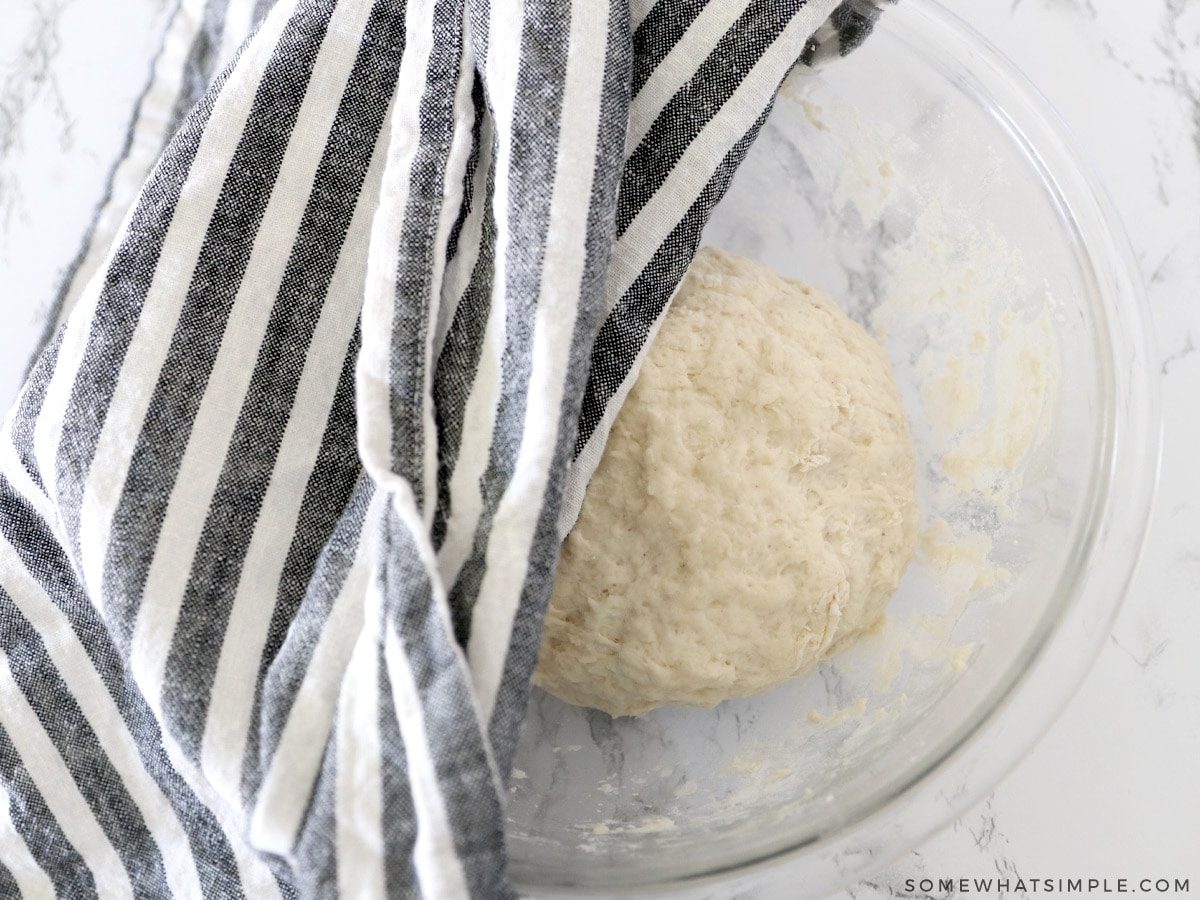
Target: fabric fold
281,501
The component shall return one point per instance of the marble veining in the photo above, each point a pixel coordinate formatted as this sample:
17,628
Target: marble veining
1109,791
28,80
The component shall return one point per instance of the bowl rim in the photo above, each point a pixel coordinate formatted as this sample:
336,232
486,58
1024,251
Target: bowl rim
1102,561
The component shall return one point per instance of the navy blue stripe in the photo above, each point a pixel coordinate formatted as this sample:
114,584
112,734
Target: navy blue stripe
201,61
701,98
225,251
289,666
8,884
36,824
332,487
399,814
454,738
250,462
658,34
47,563
628,326
119,307
29,407
479,13
458,364
315,866
480,109
513,694
72,736
261,10
539,94
854,21
415,256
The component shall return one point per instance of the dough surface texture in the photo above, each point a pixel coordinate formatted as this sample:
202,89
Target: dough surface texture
754,508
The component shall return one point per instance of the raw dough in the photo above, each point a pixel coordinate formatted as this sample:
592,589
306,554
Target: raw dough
754,508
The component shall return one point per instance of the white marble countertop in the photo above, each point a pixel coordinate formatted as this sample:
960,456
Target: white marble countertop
1114,789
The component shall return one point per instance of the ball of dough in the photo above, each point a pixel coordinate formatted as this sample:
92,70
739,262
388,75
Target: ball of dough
754,507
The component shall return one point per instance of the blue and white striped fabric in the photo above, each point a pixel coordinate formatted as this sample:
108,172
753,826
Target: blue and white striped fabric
281,500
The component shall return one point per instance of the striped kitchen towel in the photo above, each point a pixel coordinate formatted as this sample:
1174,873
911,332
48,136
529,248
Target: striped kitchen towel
281,500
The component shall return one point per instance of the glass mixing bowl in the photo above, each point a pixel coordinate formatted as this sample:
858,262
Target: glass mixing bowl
928,189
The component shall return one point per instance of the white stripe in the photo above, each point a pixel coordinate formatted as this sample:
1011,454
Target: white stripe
562,275
358,783
687,179
19,478
288,786
228,724
638,10
450,279
679,66
239,22
452,200
373,374
256,877
32,881
589,458
479,419
151,339
460,269
506,25
216,419
150,132
51,417
466,501
254,874
506,22
439,870
98,707
47,432
650,227
57,786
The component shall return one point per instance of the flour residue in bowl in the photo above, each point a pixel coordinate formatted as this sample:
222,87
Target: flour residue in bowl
975,347
973,338
987,401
